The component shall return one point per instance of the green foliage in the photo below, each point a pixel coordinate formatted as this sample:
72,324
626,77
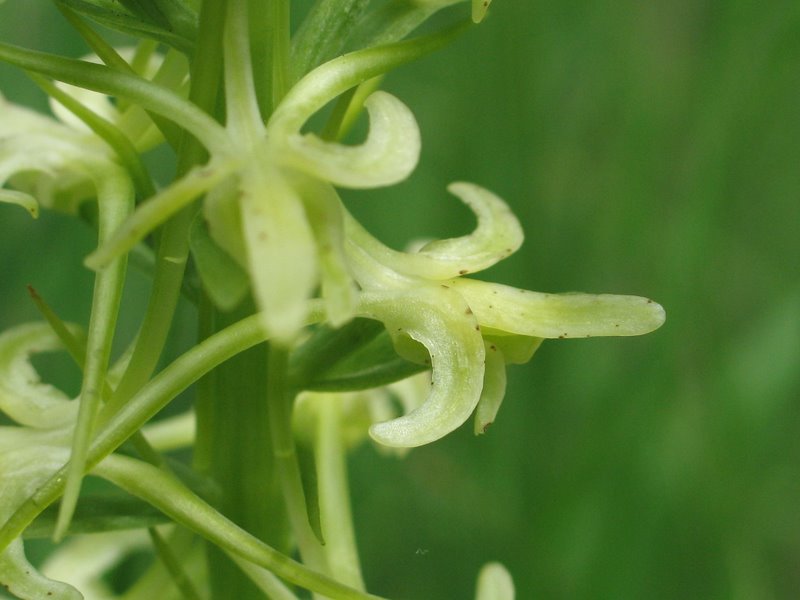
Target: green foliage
647,148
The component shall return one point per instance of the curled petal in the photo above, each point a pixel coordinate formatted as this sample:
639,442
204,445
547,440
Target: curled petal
21,579
510,309
443,323
281,251
497,235
22,199
388,155
23,396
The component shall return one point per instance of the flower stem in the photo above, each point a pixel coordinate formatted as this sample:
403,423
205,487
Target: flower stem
234,441
286,462
330,457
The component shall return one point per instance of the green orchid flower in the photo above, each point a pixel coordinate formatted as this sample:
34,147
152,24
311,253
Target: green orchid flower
47,162
31,452
38,445
466,329
269,187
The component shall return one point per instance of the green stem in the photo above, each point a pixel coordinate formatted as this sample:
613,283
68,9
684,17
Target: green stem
110,133
173,565
101,78
330,457
170,496
100,46
286,462
173,248
243,113
114,428
173,251
336,76
279,15
234,441
115,201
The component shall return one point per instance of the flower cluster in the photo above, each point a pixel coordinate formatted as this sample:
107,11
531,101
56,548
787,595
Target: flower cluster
267,222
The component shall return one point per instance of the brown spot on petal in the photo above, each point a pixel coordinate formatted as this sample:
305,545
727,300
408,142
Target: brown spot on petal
468,311
463,272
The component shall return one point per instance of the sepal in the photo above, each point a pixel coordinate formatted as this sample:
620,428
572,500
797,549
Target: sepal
389,154
570,315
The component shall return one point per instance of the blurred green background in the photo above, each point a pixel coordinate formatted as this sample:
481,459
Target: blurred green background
648,148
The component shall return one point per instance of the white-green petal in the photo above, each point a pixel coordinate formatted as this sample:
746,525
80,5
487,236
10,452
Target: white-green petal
61,158
325,215
22,199
494,388
20,578
23,396
569,315
494,583
389,154
479,8
443,323
497,235
281,251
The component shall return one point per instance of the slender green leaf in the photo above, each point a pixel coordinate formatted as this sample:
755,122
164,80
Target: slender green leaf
324,33
168,21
